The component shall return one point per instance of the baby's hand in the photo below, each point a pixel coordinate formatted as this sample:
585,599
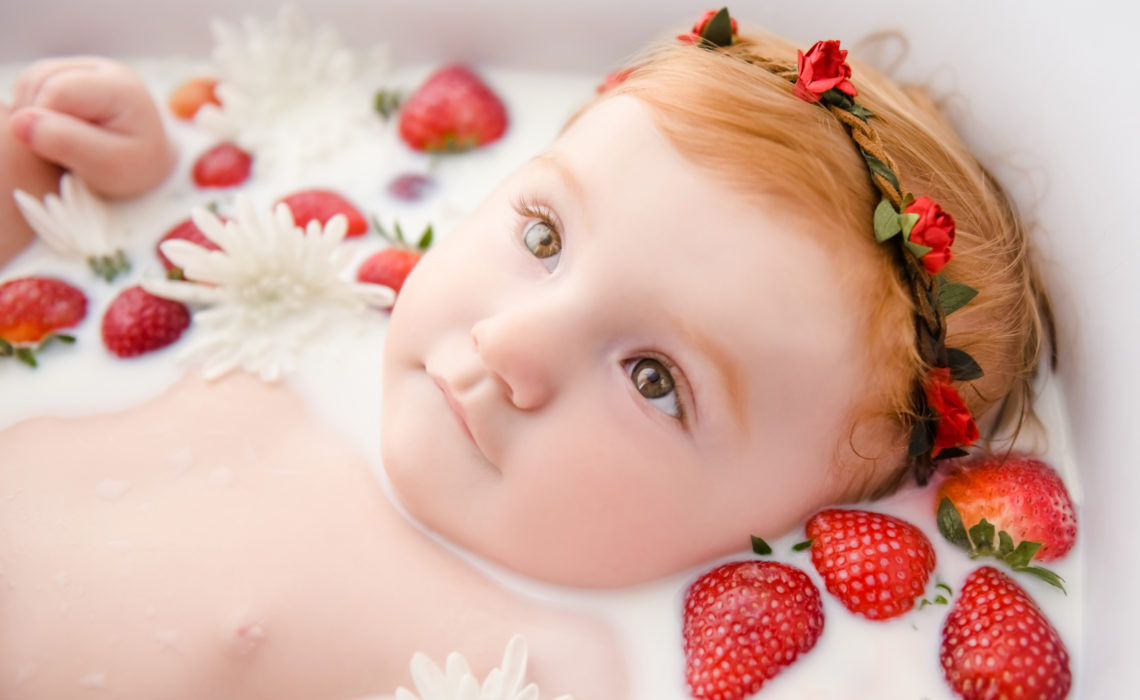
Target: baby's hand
96,118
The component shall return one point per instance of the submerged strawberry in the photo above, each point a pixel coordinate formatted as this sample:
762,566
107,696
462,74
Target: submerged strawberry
322,205
743,623
452,111
224,165
996,643
390,267
138,322
185,230
875,564
192,95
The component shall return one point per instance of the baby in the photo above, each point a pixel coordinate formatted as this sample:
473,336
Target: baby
672,329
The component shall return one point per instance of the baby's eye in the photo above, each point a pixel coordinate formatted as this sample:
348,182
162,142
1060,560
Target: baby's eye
654,381
544,242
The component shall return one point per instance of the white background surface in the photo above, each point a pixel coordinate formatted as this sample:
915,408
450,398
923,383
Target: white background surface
1044,91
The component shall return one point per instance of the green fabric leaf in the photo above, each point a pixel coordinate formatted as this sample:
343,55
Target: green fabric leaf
860,111
907,220
917,250
963,368
953,296
950,525
878,166
921,438
718,31
886,221
982,535
950,453
760,546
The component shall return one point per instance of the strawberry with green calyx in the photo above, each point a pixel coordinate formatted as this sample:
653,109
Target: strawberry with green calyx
391,266
32,309
743,623
875,564
453,111
322,205
996,643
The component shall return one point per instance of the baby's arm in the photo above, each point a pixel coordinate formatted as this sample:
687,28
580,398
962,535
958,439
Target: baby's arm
92,116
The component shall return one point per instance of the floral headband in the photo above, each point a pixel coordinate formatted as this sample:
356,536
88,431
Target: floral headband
920,232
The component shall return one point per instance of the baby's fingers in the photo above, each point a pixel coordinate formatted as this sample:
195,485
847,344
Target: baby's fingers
32,80
110,163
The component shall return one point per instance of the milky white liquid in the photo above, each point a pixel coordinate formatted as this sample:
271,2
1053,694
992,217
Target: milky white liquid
340,380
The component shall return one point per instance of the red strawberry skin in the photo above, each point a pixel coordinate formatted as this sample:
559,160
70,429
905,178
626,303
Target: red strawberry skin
33,307
875,564
224,165
1018,494
996,643
743,623
185,231
137,322
323,205
452,111
389,267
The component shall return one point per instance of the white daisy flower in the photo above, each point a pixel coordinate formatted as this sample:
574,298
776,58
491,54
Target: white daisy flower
289,90
458,683
75,224
271,289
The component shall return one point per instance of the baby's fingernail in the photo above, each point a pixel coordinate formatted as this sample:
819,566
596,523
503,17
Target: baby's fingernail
23,123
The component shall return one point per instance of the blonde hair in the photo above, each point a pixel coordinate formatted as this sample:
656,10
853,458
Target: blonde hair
744,124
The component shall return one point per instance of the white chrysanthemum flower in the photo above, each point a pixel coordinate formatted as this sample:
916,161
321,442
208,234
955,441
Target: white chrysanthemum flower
75,224
458,683
289,89
271,289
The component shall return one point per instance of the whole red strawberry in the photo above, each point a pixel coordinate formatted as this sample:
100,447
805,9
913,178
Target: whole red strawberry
138,322
996,643
391,266
224,165
875,564
322,205
452,111
743,623
185,230
31,308
1016,494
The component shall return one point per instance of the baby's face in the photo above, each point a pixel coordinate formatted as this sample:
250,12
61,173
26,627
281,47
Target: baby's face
618,367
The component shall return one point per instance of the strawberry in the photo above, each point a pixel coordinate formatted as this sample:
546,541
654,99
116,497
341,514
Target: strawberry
185,230
410,187
224,165
996,643
323,205
1016,494
452,111
391,266
875,564
137,322
191,95
32,309
743,623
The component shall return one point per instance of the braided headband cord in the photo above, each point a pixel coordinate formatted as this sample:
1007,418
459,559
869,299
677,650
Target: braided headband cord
939,423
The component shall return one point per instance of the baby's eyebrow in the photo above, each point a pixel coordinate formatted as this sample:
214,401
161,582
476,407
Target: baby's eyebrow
551,159
729,372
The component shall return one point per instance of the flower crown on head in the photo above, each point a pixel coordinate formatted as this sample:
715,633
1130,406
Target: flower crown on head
920,232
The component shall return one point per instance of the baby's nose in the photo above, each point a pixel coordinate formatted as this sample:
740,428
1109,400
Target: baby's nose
525,350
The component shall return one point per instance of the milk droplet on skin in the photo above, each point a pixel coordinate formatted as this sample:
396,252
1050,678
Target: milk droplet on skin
181,459
95,680
112,489
25,674
222,476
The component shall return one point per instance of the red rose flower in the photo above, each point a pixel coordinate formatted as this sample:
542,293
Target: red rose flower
935,230
614,79
956,427
694,36
823,67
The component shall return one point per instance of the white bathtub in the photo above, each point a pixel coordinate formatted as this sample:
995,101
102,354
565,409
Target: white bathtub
1044,91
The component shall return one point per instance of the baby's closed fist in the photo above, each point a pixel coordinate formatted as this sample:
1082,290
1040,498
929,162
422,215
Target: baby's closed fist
96,118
